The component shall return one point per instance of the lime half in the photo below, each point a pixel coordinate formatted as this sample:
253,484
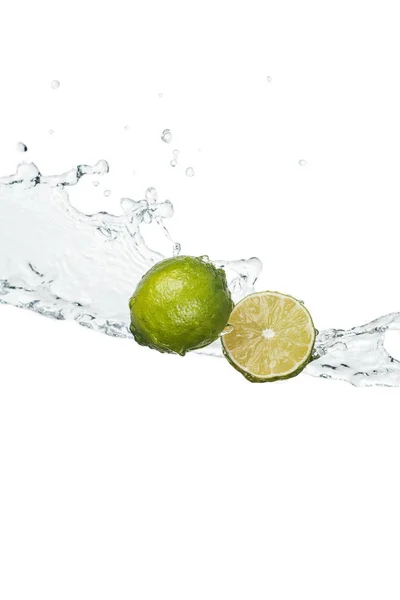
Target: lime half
272,338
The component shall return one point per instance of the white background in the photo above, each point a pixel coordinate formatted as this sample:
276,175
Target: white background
125,474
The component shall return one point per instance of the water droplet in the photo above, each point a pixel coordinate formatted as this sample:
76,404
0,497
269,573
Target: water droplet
133,172
302,162
173,163
55,84
51,131
126,127
189,172
95,183
160,95
176,154
228,329
107,193
199,150
166,136
176,248
147,217
21,147
269,79
102,167
205,258
151,195
127,204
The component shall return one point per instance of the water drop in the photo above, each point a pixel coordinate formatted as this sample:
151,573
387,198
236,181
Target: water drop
55,84
228,329
173,163
147,217
107,193
51,131
95,183
269,79
176,154
21,147
101,167
28,172
205,258
302,162
166,136
176,248
151,195
127,205
189,172
160,95
126,127
199,150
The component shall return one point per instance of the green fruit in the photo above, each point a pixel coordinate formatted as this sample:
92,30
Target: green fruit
180,304
272,337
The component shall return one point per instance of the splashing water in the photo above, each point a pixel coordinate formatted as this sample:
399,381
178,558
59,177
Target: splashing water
64,264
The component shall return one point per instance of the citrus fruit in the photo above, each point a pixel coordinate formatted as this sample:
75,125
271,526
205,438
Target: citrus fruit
272,337
180,304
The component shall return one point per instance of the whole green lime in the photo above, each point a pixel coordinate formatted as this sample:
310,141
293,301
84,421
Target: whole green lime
180,304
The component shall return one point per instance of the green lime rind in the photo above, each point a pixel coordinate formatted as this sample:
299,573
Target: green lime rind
296,372
180,304
253,379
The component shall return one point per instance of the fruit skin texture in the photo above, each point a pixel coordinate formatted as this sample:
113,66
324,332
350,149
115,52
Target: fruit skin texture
180,304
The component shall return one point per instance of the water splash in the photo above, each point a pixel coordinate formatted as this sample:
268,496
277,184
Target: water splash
357,355
64,264
81,267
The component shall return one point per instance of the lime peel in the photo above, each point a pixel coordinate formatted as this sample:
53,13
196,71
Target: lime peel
181,304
